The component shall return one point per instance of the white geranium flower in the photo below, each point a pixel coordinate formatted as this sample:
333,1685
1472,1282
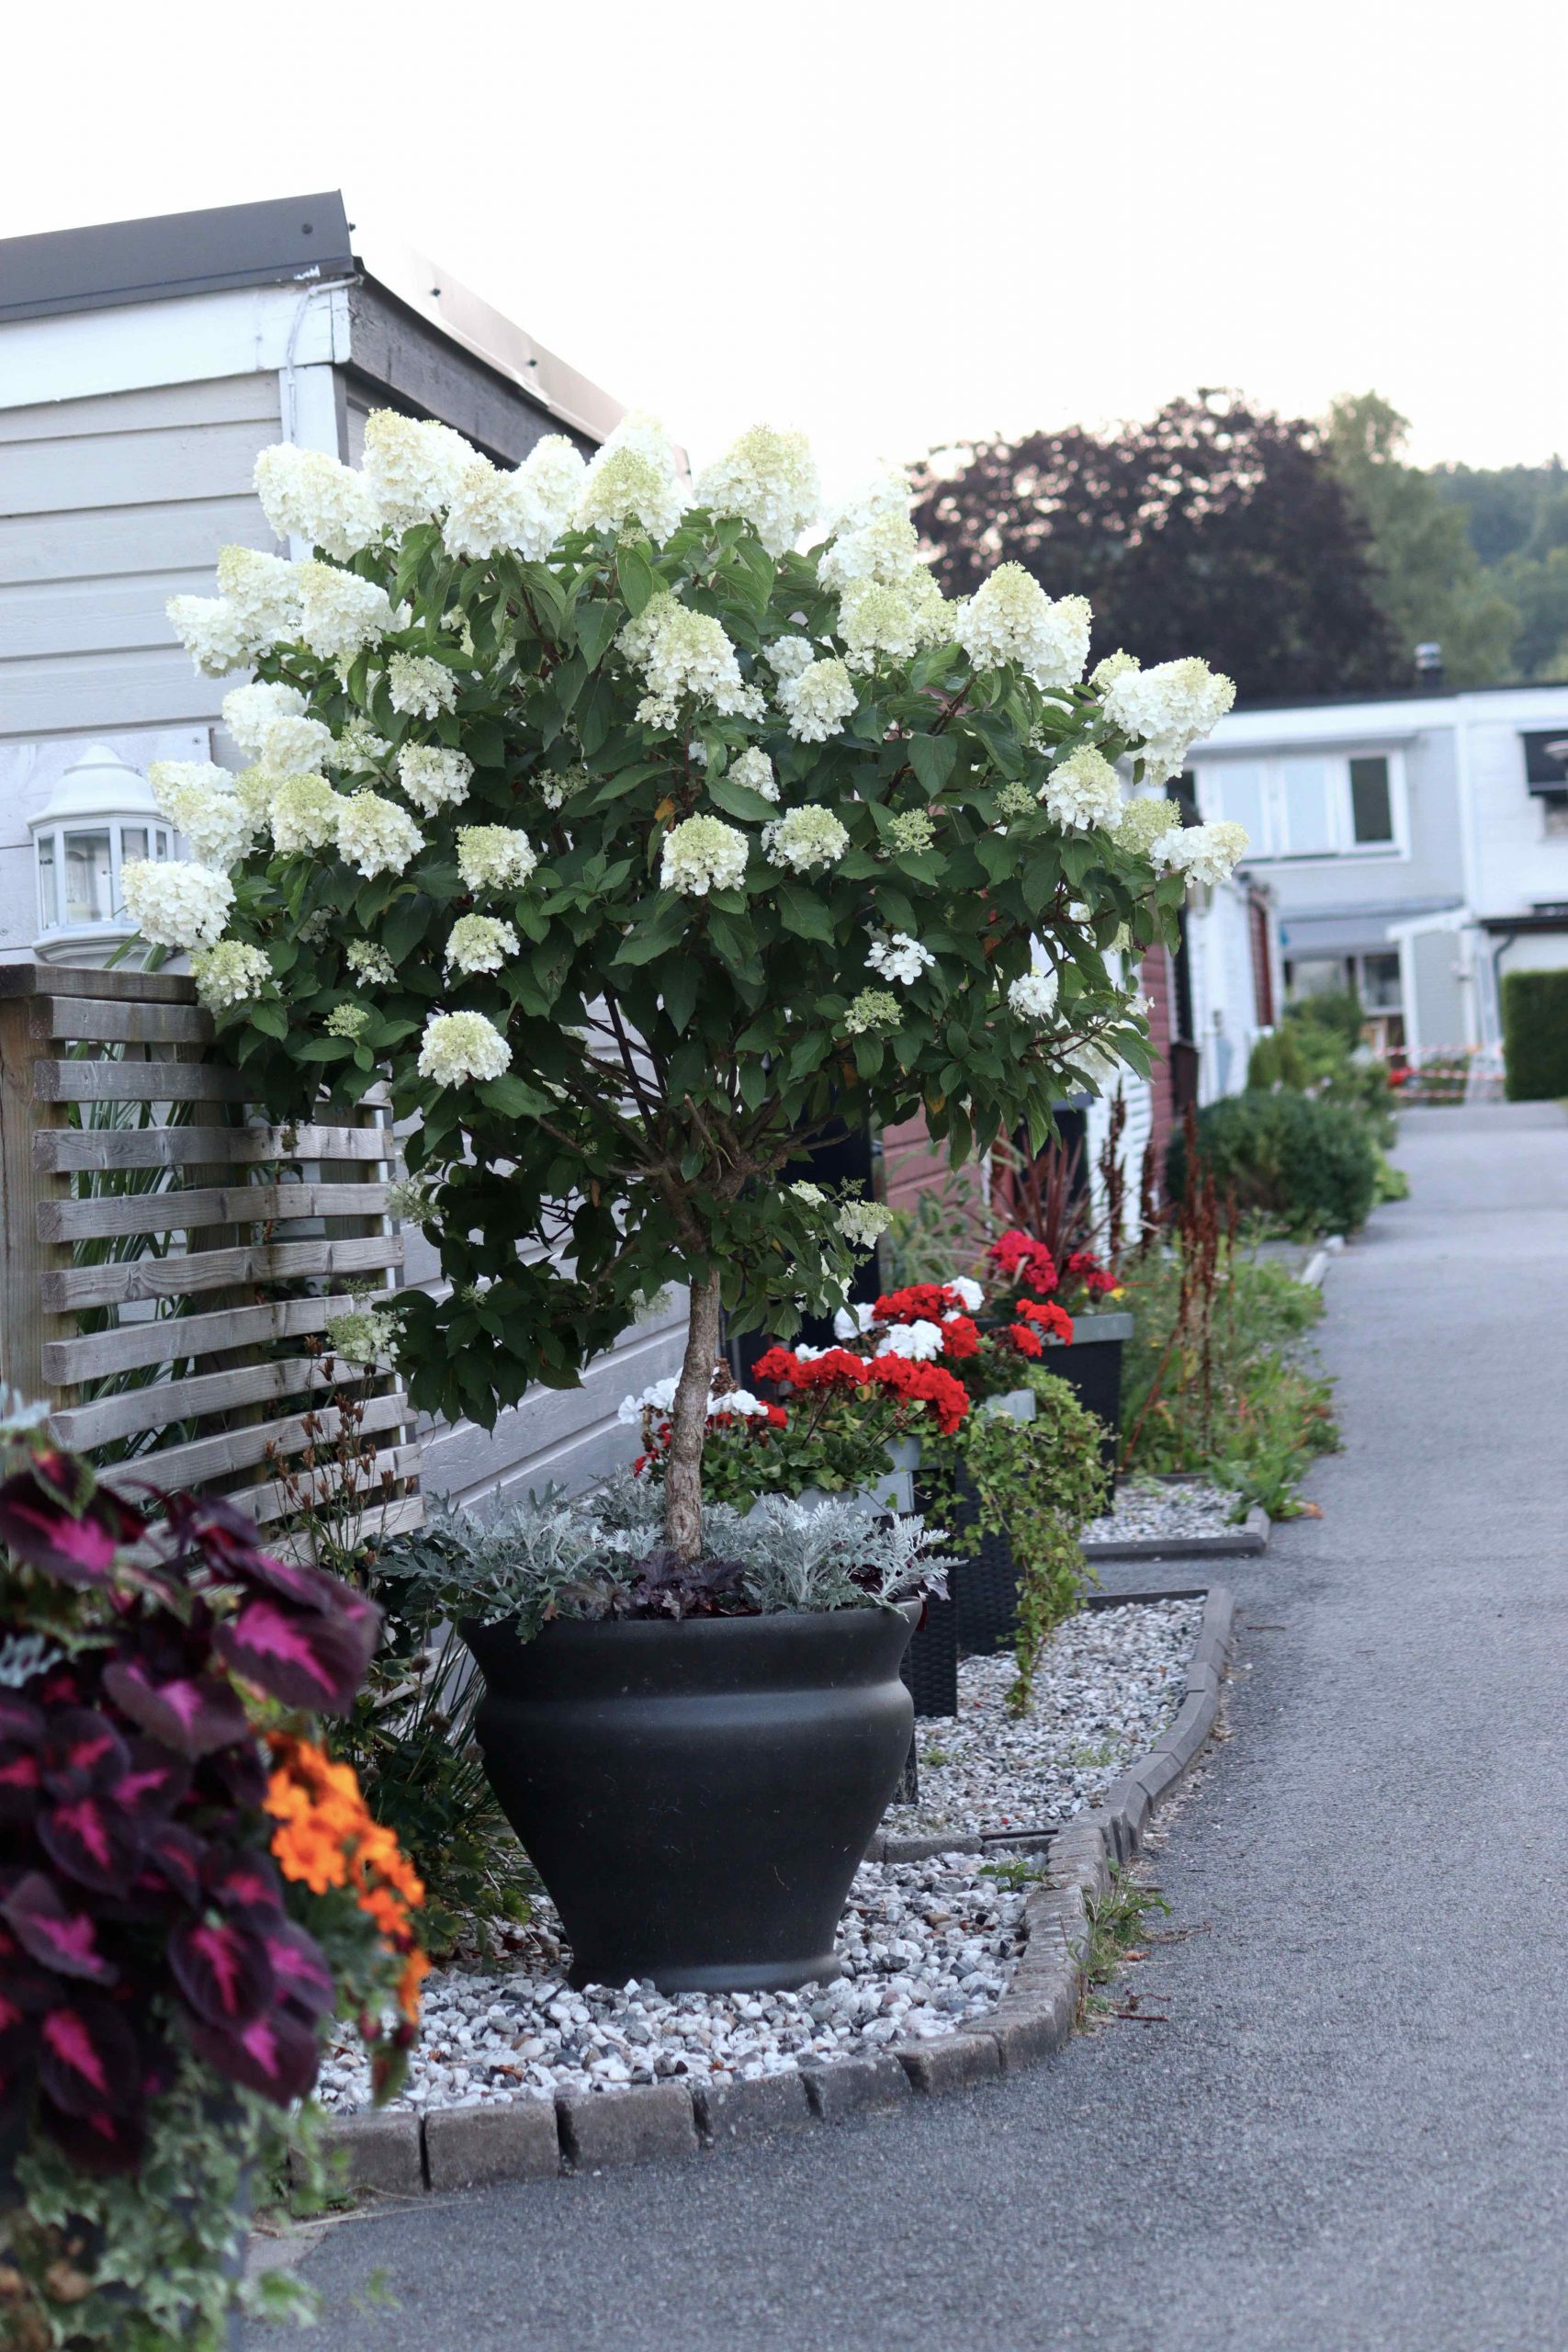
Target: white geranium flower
420,687
458,1046
433,776
769,479
304,814
480,943
494,857
1083,791
341,613
1166,709
970,1296
633,479
176,905
755,770
375,836
1011,618
412,466
804,838
816,703
897,956
230,974
921,1341
853,1322
702,854
306,494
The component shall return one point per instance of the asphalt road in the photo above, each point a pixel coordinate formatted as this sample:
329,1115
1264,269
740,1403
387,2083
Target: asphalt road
1353,2130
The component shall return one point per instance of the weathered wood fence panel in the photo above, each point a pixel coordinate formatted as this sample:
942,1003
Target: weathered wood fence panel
169,1262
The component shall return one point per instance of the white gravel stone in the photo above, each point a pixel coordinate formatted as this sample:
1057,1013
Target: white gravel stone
1147,1512
925,1946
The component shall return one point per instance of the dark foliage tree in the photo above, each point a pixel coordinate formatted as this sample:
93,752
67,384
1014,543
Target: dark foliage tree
1216,528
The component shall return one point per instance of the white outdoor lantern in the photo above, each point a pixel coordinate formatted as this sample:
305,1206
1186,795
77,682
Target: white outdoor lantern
102,814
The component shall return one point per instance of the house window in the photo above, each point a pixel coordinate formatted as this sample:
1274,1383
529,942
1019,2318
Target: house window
1379,983
1318,804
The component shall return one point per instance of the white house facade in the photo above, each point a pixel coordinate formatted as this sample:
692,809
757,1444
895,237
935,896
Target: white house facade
1417,847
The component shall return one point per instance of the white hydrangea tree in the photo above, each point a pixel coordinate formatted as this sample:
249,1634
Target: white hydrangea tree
636,845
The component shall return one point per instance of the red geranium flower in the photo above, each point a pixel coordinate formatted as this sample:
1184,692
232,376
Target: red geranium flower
1021,1258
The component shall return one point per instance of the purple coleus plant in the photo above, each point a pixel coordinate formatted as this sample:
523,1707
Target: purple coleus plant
140,1905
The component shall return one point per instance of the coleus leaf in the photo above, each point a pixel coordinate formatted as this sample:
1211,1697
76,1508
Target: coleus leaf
21,1781
79,1550
57,1931
152,1783
192,1713
91,1841
222,1967
275,2054
247,1883
173,1859
299,1968
83,1753
88,2057
302,1660
102,2141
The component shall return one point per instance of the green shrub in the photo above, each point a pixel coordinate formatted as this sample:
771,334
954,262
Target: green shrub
1535,1036
1310,1164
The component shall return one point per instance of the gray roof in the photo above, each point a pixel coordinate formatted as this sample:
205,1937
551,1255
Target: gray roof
293,238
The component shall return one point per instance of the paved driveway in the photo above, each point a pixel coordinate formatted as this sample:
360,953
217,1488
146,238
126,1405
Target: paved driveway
1353,2133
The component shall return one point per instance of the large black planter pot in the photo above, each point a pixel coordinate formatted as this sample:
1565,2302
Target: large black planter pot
1091,1367
697,1796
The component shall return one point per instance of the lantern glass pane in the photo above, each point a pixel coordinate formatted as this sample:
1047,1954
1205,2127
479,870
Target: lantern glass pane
88,878
47,883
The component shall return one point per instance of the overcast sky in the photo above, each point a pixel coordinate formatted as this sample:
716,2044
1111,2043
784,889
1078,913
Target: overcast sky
892,222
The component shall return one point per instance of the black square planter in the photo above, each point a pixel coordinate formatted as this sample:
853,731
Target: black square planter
930,1662
1091,1367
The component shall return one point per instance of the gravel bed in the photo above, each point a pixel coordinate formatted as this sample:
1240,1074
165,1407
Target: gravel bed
1147,1513
925,1946
1104,1690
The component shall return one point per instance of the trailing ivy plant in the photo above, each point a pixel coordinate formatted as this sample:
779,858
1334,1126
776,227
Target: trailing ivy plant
635,845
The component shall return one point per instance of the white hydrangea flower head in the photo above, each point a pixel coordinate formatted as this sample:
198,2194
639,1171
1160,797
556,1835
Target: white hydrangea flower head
295,746
755,770
375,836
368,962
412,466
632,478
921,1342
896,619
360,1336
683,653
871,537
209,630
458,1046
1205,852
306,494
909,831
176,905
1096,1067
557,786
525,511
812,1195
804,839
788,656
263,591
863,1223
480,943
494,857
702,854
304,814
339,613
1033,996
348,1021
420,687
818,702
253,789
1083,791
433,776
1105,673
970,1296
249,711
1011,618
769,479
1166,709
896,957
1145,820
358,747
228,974
199,800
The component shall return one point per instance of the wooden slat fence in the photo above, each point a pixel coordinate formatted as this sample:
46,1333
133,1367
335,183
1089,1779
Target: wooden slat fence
169,1262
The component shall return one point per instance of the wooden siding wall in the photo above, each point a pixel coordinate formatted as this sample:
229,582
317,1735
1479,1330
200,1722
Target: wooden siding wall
168,1263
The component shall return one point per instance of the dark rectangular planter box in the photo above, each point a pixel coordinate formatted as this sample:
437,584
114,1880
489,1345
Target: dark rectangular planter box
930,1662
1091,1367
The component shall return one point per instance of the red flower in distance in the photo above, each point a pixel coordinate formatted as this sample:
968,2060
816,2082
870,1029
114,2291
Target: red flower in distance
1048,1316
1021,1258
1027,1341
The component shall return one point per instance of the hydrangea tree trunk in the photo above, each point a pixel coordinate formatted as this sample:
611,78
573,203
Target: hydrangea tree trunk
688,1422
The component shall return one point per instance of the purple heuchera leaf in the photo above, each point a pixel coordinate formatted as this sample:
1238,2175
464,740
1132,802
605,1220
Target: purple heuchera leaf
305,1661
59,1933
193,1714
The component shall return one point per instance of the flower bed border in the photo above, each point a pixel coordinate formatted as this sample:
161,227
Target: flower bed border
405,2154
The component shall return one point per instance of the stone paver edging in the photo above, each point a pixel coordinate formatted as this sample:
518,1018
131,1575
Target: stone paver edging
401,2154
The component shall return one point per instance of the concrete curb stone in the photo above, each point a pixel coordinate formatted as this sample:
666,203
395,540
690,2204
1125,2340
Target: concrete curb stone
397,2152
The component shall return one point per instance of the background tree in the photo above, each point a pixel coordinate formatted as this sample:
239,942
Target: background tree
1516,520
1217,525
1426,575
